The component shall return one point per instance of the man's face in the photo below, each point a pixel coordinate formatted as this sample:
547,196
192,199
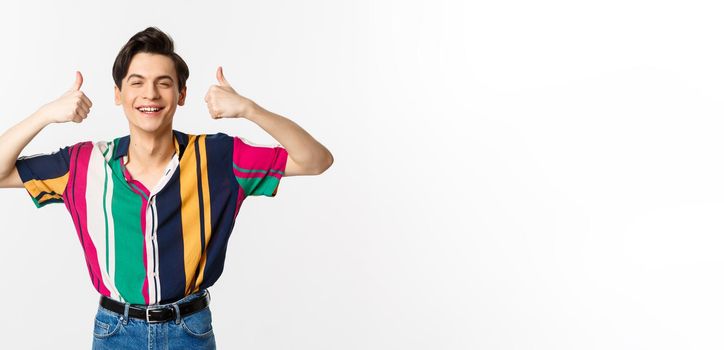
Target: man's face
151,81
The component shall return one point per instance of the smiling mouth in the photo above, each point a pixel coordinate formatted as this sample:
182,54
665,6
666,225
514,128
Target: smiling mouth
151,111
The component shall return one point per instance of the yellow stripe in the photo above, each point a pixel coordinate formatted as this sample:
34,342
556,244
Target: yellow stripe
207,208
190,211
57,185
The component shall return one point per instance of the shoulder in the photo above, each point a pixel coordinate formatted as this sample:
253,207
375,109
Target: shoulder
218,137
192,137
215,145
79,146
215,140
232,140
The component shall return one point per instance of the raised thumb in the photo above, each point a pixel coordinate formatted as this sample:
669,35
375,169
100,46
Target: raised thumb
220,77
78,81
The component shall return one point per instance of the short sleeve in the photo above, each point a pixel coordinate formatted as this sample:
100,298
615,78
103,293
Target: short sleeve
45,176
258,168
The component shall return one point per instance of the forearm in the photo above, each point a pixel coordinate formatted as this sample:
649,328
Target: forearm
14,140
300,145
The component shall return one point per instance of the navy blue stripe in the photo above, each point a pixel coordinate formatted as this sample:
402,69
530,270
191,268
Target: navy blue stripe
170,240
223,189
44,166
43,193
51,200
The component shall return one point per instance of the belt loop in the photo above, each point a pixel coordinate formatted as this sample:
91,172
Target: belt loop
178,313
126,306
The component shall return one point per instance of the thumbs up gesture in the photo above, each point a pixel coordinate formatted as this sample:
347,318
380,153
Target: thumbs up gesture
224,102
73,105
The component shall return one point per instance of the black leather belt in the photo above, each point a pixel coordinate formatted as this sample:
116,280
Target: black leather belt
157,313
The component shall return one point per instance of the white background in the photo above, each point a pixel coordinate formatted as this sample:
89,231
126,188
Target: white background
508,175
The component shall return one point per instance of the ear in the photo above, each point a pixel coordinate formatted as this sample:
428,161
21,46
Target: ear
117,94
182,96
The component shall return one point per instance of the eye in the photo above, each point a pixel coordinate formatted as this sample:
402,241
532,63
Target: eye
135,83
166,84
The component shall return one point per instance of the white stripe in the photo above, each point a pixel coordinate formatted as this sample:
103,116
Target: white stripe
111,224
94,204
259,144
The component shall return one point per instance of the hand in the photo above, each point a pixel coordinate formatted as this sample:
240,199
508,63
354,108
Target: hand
223,101
73,105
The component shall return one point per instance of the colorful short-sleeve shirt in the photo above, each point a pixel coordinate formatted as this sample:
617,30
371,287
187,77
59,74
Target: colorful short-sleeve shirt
151,246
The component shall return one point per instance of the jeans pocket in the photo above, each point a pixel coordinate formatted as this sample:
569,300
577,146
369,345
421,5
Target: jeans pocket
106,323
198,324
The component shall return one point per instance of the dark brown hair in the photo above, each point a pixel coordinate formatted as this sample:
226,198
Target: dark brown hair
149,40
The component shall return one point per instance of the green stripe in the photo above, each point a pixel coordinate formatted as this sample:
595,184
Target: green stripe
258,186
126,208
37,204
256,170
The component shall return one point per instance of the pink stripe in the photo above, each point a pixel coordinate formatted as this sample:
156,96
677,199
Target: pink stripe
280,160
253,157
76,204
250,157
146,298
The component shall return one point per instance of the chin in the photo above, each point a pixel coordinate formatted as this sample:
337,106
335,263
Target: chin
151,127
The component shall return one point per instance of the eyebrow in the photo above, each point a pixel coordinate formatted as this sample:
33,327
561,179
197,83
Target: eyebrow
142,77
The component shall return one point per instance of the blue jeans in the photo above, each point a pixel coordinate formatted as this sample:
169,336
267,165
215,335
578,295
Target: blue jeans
116,331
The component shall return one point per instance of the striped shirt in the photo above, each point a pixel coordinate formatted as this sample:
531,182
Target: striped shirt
151,246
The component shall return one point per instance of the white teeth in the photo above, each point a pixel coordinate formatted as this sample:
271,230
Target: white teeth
147,109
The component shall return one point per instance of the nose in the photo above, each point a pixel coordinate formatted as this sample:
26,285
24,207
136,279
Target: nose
150,92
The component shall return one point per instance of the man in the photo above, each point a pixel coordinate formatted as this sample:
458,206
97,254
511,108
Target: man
153,210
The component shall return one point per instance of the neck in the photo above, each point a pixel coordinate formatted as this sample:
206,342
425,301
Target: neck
150,150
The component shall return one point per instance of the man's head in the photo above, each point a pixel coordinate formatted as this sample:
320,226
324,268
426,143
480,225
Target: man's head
147,72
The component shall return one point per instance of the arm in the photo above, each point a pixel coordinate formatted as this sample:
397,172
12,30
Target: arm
306,155
12,142
73,105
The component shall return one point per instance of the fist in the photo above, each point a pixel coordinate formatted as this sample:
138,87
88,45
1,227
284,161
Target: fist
73,105
224,102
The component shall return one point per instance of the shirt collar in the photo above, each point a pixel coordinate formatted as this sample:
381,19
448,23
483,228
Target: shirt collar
180,141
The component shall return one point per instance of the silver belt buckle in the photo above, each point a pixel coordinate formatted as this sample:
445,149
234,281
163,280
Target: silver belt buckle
148,316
